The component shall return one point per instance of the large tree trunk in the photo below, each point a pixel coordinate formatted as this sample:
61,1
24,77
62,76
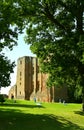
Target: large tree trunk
83,103
83,99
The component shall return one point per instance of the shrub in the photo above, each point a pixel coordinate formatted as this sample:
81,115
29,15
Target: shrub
2,99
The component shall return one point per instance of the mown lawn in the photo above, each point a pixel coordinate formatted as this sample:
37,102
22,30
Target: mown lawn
26,115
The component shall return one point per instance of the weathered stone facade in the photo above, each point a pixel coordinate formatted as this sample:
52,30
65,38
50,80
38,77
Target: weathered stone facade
31,83
12,91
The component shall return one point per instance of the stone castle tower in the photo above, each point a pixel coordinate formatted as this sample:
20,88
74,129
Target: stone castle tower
30,82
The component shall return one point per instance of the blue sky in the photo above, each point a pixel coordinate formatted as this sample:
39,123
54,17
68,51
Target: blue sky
18,51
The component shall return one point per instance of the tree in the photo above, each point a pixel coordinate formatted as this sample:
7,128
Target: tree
55,31
11,24
2,99
6,67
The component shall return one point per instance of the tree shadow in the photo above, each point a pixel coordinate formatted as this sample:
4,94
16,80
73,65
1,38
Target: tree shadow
14,119
22,105
79,112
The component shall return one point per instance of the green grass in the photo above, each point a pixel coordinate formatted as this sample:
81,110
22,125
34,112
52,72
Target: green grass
26,115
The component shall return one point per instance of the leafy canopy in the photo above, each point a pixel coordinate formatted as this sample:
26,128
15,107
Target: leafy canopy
11,23
55,31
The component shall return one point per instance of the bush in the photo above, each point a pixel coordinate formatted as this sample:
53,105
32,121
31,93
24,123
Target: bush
2,99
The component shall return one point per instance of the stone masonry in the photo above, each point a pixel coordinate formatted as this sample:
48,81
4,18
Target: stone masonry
31,83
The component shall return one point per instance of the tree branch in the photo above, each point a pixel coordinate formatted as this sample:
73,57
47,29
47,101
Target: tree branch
52,19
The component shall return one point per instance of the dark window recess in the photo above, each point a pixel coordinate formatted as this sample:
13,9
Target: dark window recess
20,62
20,73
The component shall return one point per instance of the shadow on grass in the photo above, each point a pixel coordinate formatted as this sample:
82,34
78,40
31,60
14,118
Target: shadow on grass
79,113
21,105
14,119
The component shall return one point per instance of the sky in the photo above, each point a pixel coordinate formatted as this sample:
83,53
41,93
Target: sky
18,51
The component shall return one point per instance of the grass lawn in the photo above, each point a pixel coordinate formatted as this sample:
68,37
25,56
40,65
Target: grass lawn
26,115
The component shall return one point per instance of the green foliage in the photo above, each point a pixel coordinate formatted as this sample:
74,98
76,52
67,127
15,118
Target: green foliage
55,32
11,23
2,99
6,67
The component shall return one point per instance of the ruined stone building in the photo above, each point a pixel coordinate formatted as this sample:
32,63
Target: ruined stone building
30,83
